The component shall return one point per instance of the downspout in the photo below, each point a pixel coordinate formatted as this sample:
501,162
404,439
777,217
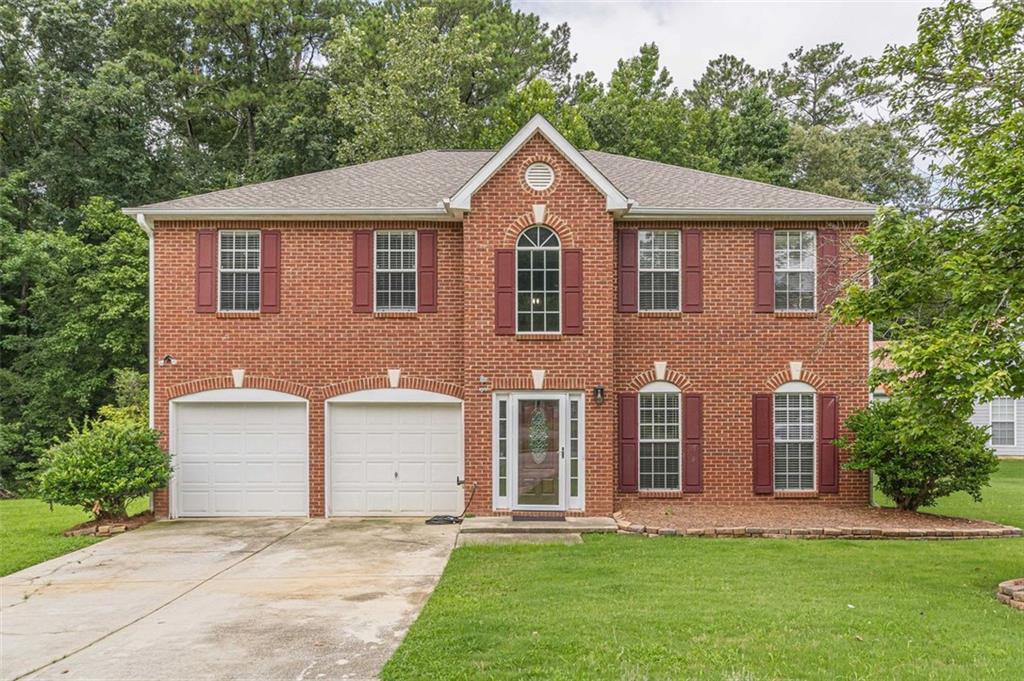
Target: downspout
147,227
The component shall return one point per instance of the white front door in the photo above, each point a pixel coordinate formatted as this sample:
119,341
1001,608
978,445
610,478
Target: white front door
395,459
539,438
240,459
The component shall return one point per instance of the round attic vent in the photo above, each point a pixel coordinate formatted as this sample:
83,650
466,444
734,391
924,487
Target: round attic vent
539,176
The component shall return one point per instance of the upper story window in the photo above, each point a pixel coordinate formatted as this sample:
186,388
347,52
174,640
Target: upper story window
795,270
1004,421
659,270
659,438
239,276
538,281
395,271
794,437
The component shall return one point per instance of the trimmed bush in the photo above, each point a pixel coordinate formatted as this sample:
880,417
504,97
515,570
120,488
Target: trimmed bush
105,464
919,457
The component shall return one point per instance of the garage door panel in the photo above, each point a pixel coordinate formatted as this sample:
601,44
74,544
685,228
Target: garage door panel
379,472
370,443
236,459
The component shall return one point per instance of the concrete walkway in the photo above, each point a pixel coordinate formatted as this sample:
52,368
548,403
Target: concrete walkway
224,599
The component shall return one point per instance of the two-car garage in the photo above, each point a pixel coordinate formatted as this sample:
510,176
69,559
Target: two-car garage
244,452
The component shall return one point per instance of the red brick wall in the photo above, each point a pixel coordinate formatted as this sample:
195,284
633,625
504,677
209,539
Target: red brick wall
316,342
317,347
727,353
576,210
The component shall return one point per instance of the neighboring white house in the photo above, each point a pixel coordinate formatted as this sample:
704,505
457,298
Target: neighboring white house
1004,417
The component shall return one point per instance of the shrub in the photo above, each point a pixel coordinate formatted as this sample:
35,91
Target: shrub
919,457
104,464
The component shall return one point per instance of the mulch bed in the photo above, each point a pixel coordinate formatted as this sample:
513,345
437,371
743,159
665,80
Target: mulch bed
800,520
103,528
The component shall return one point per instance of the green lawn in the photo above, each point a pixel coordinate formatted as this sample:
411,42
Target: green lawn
1002,502
625,607
31,533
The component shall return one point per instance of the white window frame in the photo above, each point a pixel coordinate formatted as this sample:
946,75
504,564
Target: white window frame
233,270
558,258
1013,431
787,270
640,270
660,388
797,387
388,270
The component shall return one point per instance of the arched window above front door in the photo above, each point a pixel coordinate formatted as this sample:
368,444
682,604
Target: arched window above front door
538,281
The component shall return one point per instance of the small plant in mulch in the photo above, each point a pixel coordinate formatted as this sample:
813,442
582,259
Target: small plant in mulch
103,465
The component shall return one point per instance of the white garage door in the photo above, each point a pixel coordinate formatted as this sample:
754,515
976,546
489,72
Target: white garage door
395,459
241,459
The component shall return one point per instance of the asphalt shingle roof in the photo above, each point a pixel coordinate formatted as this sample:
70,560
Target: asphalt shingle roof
419,182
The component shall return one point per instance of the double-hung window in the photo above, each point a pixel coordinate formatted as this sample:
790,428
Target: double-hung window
659,441
659,270
1004,421
795,270
239,271
395,271
794,441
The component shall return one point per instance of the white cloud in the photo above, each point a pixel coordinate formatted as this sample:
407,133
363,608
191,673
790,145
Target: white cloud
691,33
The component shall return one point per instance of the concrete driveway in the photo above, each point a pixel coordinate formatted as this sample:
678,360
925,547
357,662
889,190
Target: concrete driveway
224,599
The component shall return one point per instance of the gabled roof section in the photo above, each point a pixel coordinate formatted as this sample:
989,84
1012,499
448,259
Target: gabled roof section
615,200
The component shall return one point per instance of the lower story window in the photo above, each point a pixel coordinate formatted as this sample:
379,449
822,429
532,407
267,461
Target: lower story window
1003,421
794,441
659,441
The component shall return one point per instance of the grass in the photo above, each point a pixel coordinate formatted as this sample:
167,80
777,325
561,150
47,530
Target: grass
625,607
1002,502
31,533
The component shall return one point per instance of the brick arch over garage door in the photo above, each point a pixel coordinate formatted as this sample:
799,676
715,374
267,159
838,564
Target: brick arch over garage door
377,382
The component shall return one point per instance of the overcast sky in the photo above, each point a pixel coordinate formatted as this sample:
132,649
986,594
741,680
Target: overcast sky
690,33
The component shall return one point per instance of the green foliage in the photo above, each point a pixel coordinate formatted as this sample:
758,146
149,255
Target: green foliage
105,464
949,284
919,456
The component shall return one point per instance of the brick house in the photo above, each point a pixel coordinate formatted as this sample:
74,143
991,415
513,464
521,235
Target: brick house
563,330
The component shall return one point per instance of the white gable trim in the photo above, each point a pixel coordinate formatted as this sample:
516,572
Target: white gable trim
614,199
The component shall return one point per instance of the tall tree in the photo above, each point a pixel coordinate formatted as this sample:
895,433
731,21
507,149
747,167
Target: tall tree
950,284
822,85
409,77
723,83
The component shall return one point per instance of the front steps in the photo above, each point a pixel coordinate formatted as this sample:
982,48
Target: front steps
504,530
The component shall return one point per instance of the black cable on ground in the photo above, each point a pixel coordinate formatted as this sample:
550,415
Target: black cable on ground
453,519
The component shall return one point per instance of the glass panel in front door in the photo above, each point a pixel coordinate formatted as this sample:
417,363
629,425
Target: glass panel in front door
539,453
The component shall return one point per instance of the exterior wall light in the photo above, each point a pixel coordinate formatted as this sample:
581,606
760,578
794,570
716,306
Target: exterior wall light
599,394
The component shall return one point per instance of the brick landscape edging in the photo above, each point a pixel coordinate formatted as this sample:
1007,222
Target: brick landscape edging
1011,592
1001,531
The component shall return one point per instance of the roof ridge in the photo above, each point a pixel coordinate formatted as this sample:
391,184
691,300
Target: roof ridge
729,177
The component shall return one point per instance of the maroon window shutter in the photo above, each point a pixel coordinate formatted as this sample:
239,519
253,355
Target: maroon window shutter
629,437
572,291
426,271
693,443
362,270
505,292
763,445
270,272
764,270
206,270
693,271
828,267
628,282
828,454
